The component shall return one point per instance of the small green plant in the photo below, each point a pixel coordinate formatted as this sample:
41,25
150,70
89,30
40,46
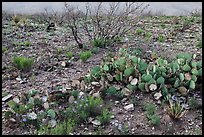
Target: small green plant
199,44
69,54
105,117
85,55
161,38
150,113
193,103
99,42
175,110
4,49
27,43
150,109
59,51
139,31
75,93
16,19
124,130
64,128
95,50
155,120
23,63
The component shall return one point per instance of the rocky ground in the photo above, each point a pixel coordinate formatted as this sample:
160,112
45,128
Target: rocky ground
51,69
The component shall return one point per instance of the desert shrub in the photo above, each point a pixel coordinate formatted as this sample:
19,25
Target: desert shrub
23,63
85,55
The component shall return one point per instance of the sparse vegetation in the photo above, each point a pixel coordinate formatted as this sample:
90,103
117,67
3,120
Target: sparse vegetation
23,63
176,110
193,103
85,55
137,59
69,54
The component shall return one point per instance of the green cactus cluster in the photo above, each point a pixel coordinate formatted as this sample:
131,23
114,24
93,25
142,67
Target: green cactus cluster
135,73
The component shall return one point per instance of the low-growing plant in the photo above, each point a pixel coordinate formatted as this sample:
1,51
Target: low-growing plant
4,49
75,93
199,44
95,50
139,31
59,51
69,54
193,103
105,117
154,120
23,63
161,38
99,43
27,43
85,55
64,128
175,110
16,19
150,109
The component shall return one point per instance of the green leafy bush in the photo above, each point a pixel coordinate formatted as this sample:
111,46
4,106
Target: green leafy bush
85,55
23,63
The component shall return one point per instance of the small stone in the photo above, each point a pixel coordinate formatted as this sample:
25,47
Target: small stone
116,102
96,122
97,94
95,83
129,107
81,94
126,91
75,83
46,105
183,91
12,120
123,100
71,99
18,79
134,81
16,99
157,95
7,97
63,63
153,87
112,116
